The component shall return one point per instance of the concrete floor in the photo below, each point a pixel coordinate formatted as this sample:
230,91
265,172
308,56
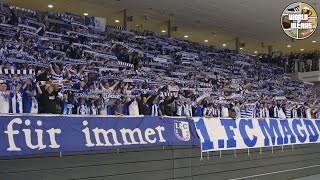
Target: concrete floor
313,177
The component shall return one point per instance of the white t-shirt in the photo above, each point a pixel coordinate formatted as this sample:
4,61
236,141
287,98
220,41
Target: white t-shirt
103,107
308,113
34,106
185,110
179,110
134,109
224,112
282,115
4,99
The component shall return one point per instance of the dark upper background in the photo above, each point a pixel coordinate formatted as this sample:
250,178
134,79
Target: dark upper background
254,21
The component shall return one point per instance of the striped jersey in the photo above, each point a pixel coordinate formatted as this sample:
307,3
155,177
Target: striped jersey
155,110
16,101
288,113
249,113
82,109
57,77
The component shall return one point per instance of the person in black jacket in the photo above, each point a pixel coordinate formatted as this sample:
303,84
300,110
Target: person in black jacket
49,99
144,106
166,107
232,112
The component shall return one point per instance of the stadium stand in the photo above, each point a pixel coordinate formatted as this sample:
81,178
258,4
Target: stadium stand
52,63
57,73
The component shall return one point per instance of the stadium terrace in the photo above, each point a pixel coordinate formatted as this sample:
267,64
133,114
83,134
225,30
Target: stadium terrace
57,64
80,99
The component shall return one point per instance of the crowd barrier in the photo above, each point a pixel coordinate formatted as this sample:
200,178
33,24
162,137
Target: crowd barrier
20,135
226,134
34,134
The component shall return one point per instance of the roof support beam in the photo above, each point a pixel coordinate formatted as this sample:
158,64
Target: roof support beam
169,28
237,44
125,19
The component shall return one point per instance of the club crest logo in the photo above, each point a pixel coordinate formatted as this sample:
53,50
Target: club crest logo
299,20
181,130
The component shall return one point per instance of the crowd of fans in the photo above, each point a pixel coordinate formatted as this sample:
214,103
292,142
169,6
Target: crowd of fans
294,62
52,63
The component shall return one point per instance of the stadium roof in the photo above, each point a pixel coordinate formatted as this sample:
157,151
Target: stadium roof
254,21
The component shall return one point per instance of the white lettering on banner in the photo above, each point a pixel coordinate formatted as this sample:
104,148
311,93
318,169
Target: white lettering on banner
27,135
149,132
52,135
86,132
225,133
105,133
129,136
131,133
159,130
11,132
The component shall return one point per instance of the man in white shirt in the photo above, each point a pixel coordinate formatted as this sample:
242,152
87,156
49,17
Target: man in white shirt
308,111
224,111
4,98
133,107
